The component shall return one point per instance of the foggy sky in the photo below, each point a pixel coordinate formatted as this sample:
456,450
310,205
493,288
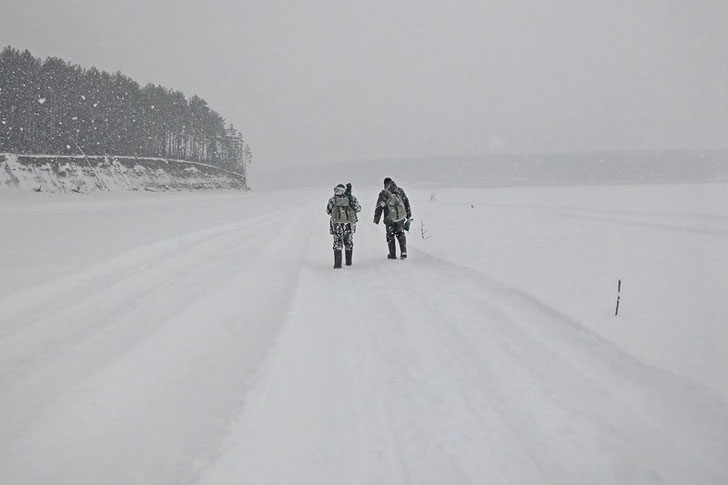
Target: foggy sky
326,80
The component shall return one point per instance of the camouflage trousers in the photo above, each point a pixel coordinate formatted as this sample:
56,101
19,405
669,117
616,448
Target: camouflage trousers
395,230
343,235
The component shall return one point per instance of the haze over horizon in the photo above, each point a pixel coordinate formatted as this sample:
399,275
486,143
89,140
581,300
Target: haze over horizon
326,81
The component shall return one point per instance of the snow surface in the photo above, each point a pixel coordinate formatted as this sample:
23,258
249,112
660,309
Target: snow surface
205,338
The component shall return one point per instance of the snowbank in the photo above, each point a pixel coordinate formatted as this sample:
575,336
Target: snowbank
57,173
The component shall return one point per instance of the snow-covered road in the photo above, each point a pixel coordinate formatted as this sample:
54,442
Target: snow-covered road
211,342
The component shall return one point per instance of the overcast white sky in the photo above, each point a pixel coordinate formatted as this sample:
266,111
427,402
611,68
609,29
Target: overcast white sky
326,80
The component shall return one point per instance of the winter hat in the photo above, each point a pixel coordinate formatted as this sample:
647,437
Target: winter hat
340,189
387,181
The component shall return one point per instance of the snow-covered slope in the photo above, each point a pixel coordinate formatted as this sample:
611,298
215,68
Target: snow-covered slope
205,338
59,173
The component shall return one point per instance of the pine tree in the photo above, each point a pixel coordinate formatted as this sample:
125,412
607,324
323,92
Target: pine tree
55,107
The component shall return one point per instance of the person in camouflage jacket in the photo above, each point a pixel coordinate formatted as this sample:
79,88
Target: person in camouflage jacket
395,206
342,209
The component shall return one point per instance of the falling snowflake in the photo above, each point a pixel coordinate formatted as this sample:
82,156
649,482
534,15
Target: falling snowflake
41,100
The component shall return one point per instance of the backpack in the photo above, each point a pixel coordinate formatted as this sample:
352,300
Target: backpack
341,210
395,205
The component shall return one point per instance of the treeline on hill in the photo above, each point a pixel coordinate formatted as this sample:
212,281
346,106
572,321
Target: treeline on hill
54,107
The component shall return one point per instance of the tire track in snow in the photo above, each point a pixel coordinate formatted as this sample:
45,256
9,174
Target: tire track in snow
152,276
605,409
351,393
19,307
244,310
427,372
695,223
312,408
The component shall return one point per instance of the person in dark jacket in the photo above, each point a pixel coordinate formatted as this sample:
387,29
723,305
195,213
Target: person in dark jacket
342,209
395,206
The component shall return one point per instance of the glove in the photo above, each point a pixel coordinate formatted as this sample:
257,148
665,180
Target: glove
376,222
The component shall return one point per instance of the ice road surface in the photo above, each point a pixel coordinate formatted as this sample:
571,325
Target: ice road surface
205,338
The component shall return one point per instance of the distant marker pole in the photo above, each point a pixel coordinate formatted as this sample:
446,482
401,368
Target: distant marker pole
619,290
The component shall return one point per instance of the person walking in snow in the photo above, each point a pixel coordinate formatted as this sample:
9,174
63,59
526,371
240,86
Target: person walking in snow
394,204
342,208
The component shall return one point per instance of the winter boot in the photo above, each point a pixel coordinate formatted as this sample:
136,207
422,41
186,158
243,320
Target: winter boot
392,249
402,238
337,258
349,253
